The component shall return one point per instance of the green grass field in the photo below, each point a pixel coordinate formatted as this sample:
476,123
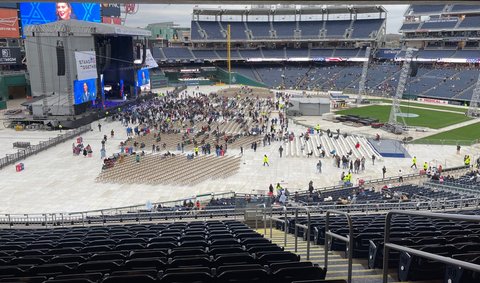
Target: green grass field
431,106
426,118
464,135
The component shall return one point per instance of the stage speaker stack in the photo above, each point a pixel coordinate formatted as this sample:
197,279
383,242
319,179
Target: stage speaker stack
137,52
108,55
144,55
60,61
414,69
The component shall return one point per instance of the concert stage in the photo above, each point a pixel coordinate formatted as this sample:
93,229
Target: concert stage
90,115
81,70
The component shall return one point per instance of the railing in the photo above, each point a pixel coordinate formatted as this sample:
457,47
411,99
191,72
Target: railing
446,260
348,240
284,221
305,227
387,180
264,209
456,185
446,142
177,213
41,146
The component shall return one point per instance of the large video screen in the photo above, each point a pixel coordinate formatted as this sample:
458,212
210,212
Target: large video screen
84,90
143,79
34,13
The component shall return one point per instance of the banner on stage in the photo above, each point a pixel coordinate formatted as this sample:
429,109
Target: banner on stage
86,65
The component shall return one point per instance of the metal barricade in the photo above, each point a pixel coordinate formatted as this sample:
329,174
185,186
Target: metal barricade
348,240
446,260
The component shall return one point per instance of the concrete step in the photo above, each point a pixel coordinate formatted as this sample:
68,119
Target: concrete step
337,264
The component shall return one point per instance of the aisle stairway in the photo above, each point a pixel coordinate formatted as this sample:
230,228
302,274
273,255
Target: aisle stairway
337,263
342,146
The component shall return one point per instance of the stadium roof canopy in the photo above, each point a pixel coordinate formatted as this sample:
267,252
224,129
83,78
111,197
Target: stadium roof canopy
296,2
288,11
82,27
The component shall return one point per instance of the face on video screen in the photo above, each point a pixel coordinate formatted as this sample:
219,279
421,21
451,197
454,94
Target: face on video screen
64,11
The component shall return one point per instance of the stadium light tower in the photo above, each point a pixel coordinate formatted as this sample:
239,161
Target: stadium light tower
363,78
475,102
396,111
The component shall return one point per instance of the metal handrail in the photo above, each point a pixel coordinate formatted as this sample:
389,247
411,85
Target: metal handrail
307,227
264,217
284,221
110,215
348,240
387,245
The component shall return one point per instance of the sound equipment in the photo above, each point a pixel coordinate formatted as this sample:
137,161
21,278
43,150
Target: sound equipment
137,52
144,55
413,69
60,61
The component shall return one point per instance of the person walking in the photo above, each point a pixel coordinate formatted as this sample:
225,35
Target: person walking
425,166
384,170
270,190
373,159
414,162
280,150
265,160
112,133
99,127
310,187
319,166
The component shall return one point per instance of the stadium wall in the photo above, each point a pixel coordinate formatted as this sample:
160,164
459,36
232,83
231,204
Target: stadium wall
237,78
13,80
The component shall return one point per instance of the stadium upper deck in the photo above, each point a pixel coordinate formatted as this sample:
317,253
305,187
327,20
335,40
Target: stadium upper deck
304,24
442,26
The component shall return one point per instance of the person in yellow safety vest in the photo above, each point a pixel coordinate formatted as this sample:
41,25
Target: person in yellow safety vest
265,160
279,188
414,162
317,128
467,160
425,166
195,149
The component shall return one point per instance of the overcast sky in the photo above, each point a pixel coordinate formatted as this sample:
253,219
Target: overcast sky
181,14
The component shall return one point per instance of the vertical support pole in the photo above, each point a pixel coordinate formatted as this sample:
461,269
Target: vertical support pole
229,59
308,233
271,221
286,227
296,230
256,218
386,251
9,220
264,220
